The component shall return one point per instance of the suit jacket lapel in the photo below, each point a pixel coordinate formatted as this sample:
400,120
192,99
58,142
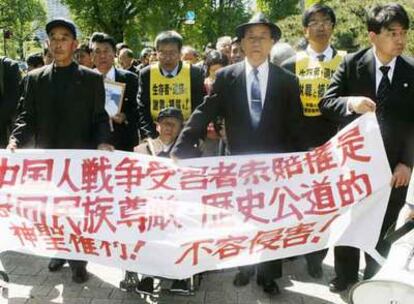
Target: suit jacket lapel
273,83
240,84
366,73
399,77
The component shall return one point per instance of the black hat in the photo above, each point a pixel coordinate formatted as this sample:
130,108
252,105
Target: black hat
259,18
171,112
61,22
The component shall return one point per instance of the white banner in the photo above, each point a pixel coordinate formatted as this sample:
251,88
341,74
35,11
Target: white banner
173,220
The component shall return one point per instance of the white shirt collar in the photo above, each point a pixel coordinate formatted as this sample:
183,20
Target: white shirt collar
263,76
110,75
378,64
173,72
263,68
328,52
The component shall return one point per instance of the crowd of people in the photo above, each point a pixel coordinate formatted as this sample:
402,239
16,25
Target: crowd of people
249,94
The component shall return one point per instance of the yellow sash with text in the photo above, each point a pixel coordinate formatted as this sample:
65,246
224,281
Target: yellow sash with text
314,77
170,92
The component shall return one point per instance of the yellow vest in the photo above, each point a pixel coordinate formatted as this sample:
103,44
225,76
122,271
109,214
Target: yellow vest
314,78
170,92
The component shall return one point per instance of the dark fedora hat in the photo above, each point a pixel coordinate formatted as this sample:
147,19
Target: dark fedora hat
259,18
61,22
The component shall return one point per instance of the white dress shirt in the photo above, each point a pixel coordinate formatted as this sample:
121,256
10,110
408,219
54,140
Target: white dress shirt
378,73
328,53
263,76
173,72
110,75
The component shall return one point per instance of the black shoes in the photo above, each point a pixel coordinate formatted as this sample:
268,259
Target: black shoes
315,270
339,285
146,286
56,264
269,286
130,281
79,274
180,287
241,279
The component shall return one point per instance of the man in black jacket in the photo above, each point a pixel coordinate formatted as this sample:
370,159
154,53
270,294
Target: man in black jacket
168,83
9,95
62,107
124,135
314,68
380,80
261,107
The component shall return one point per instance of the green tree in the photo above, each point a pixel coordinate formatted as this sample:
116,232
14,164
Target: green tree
30,17
278,9
138,21
24,18
350,32
110,16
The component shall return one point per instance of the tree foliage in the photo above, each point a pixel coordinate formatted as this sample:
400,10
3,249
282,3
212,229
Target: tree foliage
23,18
278,9
350,31
139,21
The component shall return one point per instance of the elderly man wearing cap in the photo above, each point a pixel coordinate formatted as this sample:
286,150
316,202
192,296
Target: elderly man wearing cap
169,124
62,107
261,106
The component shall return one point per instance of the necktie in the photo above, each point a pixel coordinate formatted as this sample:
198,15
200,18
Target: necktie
321,57
256,99
383,91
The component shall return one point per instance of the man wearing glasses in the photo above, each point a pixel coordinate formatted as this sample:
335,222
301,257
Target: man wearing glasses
167,83
314,68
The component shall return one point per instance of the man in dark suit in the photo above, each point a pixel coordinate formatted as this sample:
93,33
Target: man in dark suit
314,68
124,135
381,80
62,107
261,107
183,80
9,95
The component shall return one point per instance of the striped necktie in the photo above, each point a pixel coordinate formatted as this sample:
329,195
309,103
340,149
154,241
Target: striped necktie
256,100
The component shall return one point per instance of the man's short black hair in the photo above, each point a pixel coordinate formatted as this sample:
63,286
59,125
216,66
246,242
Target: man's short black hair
35,60
102,38
146,52
215,57
382,16
169,37
121,45
318,8
127,51
84,47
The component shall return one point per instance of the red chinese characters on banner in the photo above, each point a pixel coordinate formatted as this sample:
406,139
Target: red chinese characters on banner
194,178
129,174
233,246
320,195
66,179
8,174
160,176
224,175
350,143
96,175
37,170
52,239
217,207
320,159
146,216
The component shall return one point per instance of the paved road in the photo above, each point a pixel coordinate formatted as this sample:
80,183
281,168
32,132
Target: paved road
31,282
